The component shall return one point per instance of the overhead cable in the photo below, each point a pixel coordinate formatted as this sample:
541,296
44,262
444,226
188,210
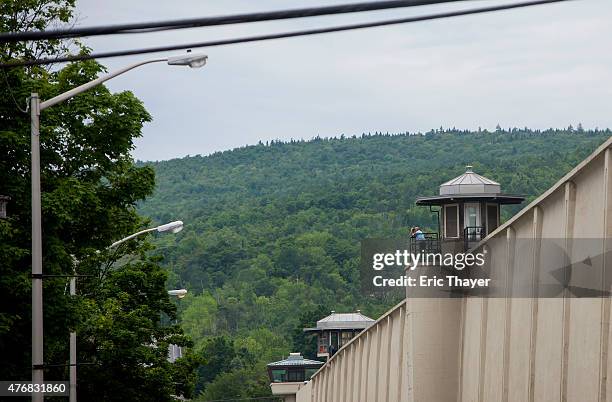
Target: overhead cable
265,37
146,27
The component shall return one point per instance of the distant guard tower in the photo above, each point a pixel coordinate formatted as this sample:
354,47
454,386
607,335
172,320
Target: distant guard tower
469,211
335,330
289,375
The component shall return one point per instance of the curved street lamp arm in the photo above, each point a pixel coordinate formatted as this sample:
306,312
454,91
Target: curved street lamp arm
118,242
82,88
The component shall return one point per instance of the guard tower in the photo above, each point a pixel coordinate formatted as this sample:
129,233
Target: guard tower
469,209
288,376
335,330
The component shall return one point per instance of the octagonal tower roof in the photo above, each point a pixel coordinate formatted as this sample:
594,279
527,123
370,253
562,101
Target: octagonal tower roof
470,187
339,321
470,183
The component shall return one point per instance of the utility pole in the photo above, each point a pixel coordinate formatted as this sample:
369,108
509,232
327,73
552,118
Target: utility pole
37,279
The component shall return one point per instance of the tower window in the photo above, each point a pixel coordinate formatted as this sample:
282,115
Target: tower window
451,221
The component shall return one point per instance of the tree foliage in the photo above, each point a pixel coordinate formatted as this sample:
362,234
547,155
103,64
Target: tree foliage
90,187
30,15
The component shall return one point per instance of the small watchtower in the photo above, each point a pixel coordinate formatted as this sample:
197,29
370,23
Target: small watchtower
337,329
289,375
293,369
469,209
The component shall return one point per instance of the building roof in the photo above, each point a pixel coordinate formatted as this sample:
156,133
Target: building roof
470,183
335,320
295,359
447,199
470,186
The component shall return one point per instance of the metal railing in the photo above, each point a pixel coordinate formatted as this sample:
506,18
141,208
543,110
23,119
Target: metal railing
472,235
428,243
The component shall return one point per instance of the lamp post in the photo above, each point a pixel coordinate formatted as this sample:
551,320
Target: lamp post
36,106
4,199
175,351
172,227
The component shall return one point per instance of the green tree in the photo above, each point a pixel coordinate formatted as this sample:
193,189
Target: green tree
305,342
243,383
199,317
216,356
90,189
26,15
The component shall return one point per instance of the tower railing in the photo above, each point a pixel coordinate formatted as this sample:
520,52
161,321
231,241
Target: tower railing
472,235
429,244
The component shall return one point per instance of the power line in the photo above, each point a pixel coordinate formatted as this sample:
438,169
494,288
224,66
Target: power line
146,27
224,42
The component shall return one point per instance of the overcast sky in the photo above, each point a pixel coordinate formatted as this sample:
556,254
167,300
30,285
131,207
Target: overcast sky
540,67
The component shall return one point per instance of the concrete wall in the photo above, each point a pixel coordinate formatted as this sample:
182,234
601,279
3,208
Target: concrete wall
508,349
372,367
305,395
545,349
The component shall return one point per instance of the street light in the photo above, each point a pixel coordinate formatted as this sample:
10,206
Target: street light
172,227
195,61
179,293
36,106
175,351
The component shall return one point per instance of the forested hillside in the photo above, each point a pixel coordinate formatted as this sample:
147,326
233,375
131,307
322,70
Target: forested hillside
272,231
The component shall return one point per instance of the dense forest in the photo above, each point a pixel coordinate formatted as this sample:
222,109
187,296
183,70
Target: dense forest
272,231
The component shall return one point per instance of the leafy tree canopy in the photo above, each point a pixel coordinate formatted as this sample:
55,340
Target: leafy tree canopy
90,188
